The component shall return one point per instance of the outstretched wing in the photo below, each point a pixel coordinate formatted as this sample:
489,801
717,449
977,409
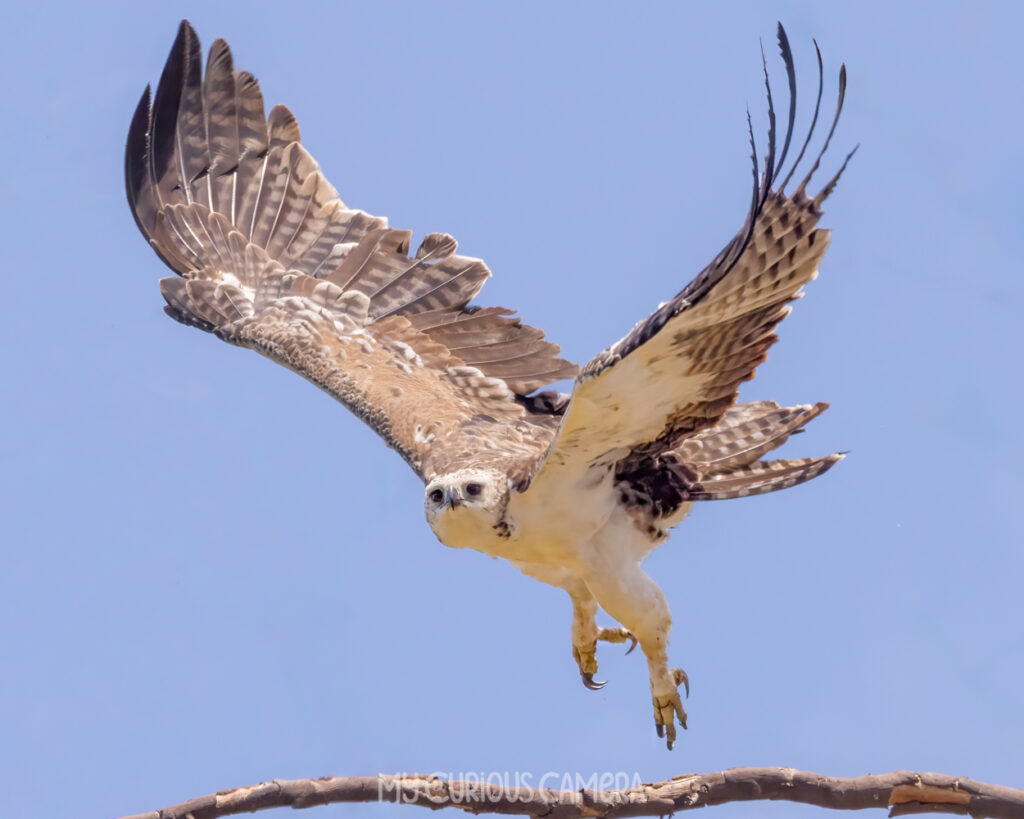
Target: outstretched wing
270,258
678,371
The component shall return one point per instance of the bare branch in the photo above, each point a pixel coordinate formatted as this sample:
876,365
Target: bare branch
903,792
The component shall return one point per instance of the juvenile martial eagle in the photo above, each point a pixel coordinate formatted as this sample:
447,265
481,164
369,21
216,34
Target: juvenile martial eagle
574,490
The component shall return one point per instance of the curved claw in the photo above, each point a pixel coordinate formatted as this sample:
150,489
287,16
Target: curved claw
592,684
632,646
681,679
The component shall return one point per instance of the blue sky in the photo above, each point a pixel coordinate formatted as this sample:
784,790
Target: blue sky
214,575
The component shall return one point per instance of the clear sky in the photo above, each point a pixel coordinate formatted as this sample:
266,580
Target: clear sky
213,574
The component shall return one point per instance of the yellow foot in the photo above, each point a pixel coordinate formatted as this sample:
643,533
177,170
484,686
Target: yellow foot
586,655
668,706
617,635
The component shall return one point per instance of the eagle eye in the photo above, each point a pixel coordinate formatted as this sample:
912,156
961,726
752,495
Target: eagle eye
437,495
473,489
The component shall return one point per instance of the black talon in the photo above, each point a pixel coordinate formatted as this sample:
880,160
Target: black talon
660,729
630,649
589,682
686,683
670,744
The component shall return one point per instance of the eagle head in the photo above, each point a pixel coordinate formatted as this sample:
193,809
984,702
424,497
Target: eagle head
466,508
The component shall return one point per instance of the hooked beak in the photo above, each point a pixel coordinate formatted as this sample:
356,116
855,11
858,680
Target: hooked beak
452,499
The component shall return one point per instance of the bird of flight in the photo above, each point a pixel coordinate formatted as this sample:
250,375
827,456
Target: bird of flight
575,490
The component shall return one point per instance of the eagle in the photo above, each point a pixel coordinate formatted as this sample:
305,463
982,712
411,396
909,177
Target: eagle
575,490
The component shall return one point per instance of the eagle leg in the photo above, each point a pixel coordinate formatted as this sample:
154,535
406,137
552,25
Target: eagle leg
629,595
585,631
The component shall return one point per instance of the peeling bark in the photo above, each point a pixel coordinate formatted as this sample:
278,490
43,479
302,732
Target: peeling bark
902,792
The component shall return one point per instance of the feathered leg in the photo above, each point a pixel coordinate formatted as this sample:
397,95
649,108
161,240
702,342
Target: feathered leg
626,592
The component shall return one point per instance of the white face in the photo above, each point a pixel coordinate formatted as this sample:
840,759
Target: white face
472,492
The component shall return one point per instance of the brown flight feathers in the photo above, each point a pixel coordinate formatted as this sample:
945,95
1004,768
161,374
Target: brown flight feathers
232,202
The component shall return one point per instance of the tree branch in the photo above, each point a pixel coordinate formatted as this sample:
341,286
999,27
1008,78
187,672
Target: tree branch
903,792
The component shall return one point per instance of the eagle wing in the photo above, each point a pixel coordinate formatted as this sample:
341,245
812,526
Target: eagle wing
270,258
677,373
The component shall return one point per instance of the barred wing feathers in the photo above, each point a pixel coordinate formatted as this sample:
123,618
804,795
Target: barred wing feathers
677,373
269,257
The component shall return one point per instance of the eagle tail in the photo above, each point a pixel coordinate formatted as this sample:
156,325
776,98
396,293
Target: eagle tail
761,477
744,434
726,457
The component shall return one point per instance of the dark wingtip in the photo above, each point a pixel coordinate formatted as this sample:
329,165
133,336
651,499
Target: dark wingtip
832,130
814,119
757,180
182,67
769,160
135,166
166,101
787,59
